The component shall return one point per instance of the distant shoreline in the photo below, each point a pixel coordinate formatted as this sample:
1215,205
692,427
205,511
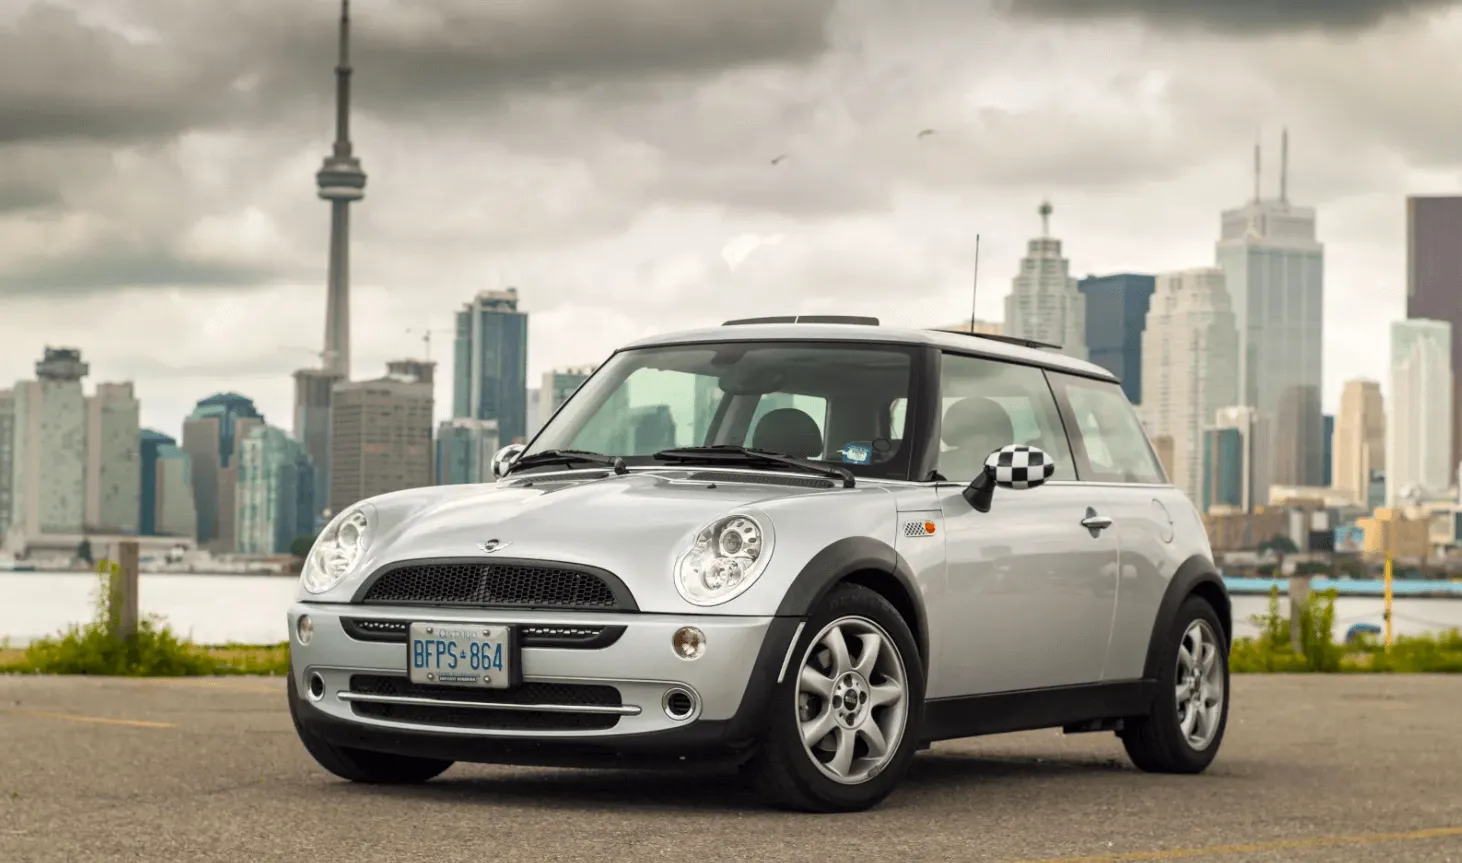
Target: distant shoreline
1411,588
152,572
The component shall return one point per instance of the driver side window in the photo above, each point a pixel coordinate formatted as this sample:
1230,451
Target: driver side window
988,404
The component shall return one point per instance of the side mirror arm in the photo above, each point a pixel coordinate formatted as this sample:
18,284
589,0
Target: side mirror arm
981,490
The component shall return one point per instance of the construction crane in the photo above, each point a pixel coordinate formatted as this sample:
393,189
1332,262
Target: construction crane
426,334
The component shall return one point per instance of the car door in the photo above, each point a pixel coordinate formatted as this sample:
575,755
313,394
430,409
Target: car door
1031,588
1113,455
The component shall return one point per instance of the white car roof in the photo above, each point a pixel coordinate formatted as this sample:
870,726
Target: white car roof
995,347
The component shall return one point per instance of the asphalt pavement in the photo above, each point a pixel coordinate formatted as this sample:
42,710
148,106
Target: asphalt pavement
1315,768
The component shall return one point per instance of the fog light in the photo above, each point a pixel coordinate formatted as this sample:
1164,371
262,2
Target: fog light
304,629
689,643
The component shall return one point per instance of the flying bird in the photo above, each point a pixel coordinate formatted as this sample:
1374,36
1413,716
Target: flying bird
778,160
926,133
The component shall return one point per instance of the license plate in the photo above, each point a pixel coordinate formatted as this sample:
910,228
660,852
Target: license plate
457,654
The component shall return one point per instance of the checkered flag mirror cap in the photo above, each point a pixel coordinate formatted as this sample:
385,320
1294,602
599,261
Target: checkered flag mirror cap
1020,466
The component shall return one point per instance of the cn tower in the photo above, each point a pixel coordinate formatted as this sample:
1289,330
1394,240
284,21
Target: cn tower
341,181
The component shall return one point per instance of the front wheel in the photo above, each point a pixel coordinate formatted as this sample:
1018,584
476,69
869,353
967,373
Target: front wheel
359,765
843,724
1190,713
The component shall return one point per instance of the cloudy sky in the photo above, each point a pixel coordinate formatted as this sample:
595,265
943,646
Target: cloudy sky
613,160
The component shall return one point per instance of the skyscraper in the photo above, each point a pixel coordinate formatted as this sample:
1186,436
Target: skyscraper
1329,461
312,391
1360,439
276,491
7,453
1274,269
490,381
150,444
1188,355
1228,461
1434,281
174,514
341,181
558,385
465,448
381,435
48,463
113,467
1419,415
211,436
1116,315
1044,303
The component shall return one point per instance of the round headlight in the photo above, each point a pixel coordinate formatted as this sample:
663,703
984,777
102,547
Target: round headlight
723,560
339,549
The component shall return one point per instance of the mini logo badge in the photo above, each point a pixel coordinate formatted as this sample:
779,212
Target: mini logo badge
492,545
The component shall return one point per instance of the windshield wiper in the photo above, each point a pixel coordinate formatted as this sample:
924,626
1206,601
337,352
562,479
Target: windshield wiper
746,455
568,457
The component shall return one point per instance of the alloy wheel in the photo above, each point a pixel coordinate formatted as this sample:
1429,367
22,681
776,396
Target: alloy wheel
852,700
1200,686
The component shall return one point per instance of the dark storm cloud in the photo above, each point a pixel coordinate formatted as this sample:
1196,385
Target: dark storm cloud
1242,17
209,65
105,270
23,195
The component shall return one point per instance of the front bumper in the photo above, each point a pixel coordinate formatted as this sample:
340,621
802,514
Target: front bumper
731,683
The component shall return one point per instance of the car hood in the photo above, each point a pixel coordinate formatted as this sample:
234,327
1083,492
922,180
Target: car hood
634,525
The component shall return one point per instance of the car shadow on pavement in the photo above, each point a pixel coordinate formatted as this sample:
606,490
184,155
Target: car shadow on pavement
930,774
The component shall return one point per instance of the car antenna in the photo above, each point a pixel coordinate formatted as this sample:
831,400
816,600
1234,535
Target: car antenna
975,285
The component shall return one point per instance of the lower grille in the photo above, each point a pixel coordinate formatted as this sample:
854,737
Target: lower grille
529,635
513,716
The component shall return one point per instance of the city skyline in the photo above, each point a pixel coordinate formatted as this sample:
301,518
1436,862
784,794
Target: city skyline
610,207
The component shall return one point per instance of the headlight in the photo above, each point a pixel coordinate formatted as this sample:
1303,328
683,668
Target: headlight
339,549
724,559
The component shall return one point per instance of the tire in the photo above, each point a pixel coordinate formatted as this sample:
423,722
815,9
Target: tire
786,773
359,765
1157,743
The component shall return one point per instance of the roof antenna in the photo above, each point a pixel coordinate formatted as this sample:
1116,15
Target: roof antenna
976,284
1284,167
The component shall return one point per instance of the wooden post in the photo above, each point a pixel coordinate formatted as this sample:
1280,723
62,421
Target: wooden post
128,566
1299,597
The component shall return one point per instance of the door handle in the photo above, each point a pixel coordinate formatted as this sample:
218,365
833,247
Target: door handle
1096,522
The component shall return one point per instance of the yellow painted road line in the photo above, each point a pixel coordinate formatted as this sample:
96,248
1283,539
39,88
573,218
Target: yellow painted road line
97,720
1260,847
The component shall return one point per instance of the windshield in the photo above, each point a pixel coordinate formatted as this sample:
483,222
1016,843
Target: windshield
827,401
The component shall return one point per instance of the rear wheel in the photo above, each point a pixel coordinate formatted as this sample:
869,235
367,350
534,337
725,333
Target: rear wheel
1190,713
359,765
843,724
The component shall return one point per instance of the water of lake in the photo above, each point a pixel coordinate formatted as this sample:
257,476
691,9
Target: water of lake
213,609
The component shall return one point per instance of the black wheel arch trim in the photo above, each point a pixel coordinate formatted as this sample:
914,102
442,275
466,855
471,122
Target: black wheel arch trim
843,558
1197,573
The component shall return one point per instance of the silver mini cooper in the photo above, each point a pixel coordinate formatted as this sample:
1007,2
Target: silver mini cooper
803,547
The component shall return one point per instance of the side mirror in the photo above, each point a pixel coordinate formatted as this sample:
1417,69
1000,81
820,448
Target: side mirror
1016,466
504,458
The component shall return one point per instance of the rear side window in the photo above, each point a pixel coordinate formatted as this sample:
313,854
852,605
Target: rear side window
1109,442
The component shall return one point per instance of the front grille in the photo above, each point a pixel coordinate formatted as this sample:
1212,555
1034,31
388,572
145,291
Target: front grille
567,694
502,584
530,635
